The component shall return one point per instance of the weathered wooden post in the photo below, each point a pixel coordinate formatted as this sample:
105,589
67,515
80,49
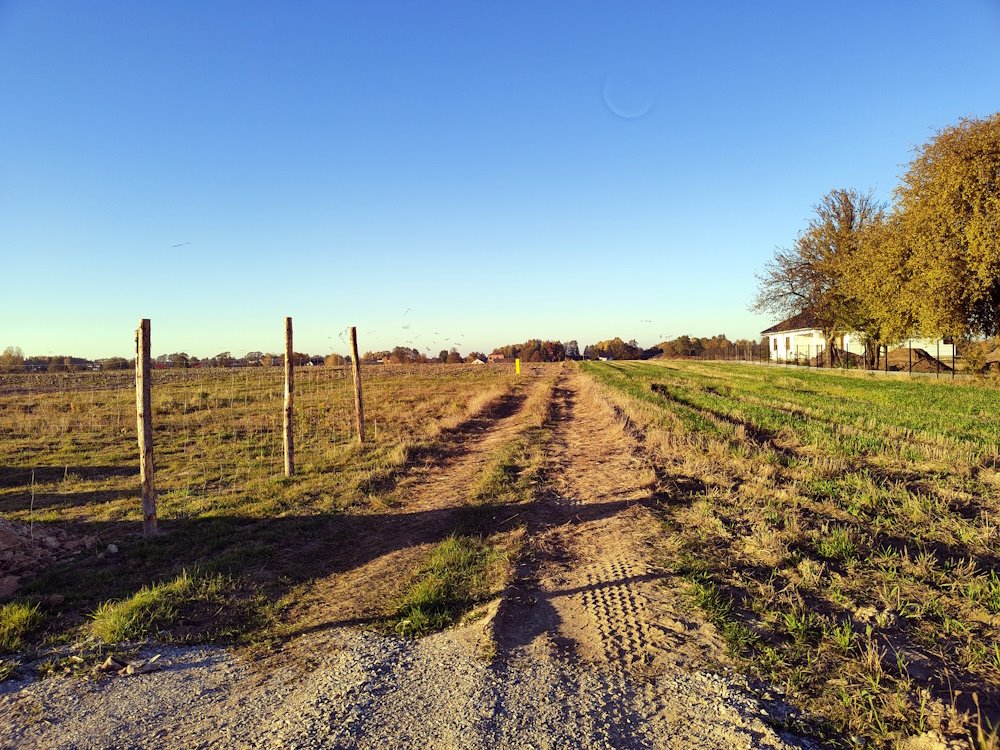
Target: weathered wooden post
359,406
289,396
144,426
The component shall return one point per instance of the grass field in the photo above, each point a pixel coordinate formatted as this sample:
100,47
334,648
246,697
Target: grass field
240,539
840,531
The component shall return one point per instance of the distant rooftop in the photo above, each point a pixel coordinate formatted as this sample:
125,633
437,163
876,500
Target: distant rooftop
802,321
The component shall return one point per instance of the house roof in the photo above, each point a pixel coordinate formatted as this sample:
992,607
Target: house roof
802,321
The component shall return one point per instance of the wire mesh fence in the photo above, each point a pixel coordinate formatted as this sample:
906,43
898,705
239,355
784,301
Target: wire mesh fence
68,440
904,359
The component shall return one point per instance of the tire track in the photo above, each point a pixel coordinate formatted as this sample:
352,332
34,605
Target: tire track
590,584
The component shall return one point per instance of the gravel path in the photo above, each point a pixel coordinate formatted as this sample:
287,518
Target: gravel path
368,691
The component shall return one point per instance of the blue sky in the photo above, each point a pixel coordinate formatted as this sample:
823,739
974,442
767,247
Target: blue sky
443,173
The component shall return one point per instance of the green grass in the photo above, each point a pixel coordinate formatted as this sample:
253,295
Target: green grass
475,563
828,523
154,608
17,620
461,572
511,477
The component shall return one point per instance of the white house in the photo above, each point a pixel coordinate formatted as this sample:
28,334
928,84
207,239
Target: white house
798,339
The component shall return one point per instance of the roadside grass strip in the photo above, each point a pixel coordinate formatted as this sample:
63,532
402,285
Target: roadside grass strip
840,532
476,562
461,572
178,610
17,619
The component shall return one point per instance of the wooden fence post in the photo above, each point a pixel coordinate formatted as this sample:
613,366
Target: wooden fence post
289,396
359,406
144,426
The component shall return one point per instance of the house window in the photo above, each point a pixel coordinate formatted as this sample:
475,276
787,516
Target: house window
775,342
788,343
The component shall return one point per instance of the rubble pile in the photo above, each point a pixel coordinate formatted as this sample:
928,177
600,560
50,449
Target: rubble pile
26,549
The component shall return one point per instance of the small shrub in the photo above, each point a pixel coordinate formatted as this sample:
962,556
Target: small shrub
461,571
837,544
843,635
154,606
17,619
986,591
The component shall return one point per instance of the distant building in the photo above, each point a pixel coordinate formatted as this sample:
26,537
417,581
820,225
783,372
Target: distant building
499,359
799,338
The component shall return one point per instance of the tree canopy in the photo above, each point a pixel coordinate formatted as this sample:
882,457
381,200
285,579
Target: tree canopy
928,267
693,346
12,359
949,212
808,278
534,350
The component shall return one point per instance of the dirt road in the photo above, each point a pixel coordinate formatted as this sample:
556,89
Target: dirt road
595,646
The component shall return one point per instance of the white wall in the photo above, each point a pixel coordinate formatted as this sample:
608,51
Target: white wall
803,344
807,344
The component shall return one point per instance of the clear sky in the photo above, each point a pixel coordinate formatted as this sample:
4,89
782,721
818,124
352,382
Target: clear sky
443,173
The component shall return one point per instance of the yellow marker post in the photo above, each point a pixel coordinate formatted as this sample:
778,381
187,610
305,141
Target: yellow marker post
517,366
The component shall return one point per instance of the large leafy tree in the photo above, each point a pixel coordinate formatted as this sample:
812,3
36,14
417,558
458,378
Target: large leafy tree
401,355
534,350
949,209
807,278
876,278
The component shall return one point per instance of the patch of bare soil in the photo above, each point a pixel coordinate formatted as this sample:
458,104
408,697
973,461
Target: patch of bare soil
25,551
917,360
590,584
388,541
591,589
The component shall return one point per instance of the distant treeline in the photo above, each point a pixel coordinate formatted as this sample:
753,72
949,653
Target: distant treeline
402,355
692,346
533,350
536,350
12,359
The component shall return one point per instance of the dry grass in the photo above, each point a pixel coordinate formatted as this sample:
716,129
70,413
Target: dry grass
67,460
